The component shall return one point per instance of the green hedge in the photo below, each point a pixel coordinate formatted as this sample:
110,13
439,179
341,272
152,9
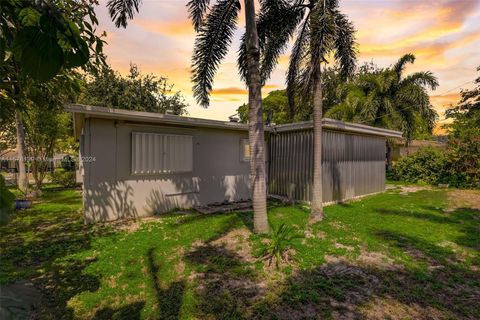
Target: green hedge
433,166
6,201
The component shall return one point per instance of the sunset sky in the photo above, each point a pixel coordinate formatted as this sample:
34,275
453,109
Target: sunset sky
444,35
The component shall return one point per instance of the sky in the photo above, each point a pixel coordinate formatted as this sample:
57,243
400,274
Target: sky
444,35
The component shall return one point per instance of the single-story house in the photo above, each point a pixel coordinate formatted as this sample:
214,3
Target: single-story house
138,163
400,149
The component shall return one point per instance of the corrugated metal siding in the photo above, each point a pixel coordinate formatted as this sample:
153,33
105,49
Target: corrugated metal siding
154,153
353,165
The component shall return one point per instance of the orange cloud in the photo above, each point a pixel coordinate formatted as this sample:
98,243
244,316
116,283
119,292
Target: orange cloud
442,102
178,27
229,91
430,28
425,49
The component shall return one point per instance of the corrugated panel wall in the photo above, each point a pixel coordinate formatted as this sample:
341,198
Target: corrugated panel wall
353,165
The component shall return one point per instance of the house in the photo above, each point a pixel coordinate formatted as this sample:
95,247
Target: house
400,149
138,163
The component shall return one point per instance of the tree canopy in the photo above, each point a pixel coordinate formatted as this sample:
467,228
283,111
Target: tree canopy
136,91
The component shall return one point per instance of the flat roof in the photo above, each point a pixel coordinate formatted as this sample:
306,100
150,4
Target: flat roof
85,111
338,125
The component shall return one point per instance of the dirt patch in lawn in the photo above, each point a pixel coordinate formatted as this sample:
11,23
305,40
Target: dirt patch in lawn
390,308
237,241
458,199
404,190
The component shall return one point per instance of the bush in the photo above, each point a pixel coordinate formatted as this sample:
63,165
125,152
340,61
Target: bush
64,178
6,201
433,166
426,165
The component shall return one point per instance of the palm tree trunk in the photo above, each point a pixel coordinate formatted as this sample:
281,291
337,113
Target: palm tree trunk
255,129
317,198
22,172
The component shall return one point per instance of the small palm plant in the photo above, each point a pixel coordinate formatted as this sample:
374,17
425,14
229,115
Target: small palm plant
281,239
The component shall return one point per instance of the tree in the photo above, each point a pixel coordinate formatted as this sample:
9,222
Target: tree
137,92
215,26
38,39
214,36
464,136
43,122
321,31
388,98
276,104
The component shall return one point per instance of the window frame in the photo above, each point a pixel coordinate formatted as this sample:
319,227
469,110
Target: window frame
244,142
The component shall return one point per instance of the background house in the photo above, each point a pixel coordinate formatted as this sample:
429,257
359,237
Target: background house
138,163
400,150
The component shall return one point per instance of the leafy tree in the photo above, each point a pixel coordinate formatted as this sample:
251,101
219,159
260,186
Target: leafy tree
388,98
39,39
320,31
464,135
276,104
44,121
133,92
459,164
215,25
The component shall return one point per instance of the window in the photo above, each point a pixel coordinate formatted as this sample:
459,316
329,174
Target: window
244,150
154,153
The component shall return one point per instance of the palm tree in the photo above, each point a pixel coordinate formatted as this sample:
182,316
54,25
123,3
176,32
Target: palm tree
388,98
215,26
320,31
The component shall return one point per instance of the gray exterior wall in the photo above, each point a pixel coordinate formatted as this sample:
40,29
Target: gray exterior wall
353,164
112,192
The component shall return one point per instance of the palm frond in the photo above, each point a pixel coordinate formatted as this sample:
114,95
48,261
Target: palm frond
345,45
275,36
322,39
197,10
423,78
298,53
399,67
211,46
122,10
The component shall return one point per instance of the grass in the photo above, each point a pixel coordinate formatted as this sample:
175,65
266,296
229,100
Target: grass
389,255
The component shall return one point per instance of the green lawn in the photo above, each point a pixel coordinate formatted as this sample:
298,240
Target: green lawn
393,255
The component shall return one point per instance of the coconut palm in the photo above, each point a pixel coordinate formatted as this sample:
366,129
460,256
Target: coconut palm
215,25
388,98
320,31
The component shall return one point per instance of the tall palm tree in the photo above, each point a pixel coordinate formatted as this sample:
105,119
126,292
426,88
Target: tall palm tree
320,31
388,98
215,25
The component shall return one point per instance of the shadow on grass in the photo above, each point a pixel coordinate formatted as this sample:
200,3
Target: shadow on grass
36,243
130,311
467,220
169,299
341,289
226,287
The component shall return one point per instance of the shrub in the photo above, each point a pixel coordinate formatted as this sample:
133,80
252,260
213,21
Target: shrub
280,241
453,166
427,165
6,201
64,178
